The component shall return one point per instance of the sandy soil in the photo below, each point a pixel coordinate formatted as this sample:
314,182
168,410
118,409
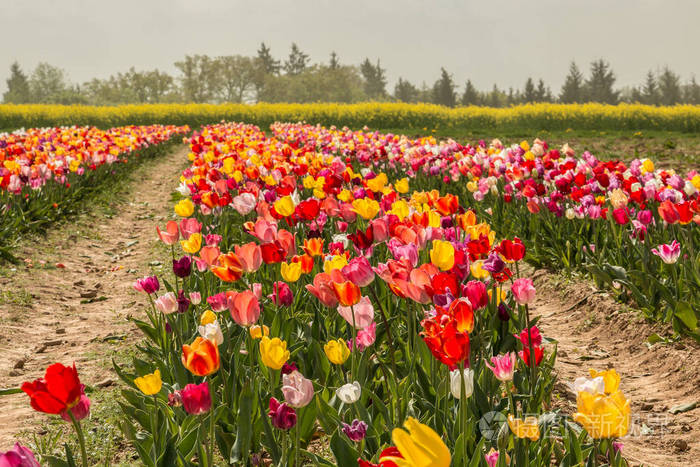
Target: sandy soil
593,331
78,313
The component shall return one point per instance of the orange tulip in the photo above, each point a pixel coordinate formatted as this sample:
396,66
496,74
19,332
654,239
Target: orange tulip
346,292
313,246
230,268
201,357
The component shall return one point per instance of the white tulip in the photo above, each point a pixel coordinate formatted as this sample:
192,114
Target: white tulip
349,393
212,332
456,384
593,386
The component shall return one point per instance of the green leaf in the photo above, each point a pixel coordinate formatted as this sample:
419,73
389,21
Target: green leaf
241,448
345,454
686,315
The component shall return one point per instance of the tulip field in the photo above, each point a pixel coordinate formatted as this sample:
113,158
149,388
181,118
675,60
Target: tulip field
45,172
359,298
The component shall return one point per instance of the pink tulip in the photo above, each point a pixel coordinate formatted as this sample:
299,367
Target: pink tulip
18,456
79,410
166,303
298,391
250,256
363,312
503,366
475,291
669,253
210,255
323,290
244,203
218,302
147,285
244,307
365,337
380,229
523,291
195,298
256,287
212,239
196,398
281,294
171,234
265,231
189,226
359,271
491,457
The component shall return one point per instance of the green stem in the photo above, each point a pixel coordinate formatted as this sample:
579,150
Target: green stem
533,366
210,449
81,437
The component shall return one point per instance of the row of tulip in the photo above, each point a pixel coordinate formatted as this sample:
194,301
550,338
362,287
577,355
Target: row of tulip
633,227
315,299
45,171
528,117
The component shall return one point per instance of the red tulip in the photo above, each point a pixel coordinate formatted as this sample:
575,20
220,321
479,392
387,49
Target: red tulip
58,391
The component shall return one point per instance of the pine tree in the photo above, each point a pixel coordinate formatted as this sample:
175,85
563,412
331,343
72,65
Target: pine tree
268,62
650,90
470,96
17,86
404,91
600,83
691,94
375,79
334,63
296,62
529,94
669,87
542,94
444,90
572,90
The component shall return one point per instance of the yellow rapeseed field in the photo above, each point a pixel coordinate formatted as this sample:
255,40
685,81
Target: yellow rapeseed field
635,117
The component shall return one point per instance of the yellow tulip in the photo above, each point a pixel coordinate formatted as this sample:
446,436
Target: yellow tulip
149,384
192,244
184,208
365,207
442,255
336,262
208,317
377,183
401,185
257,332
337,351
524,428
400,209
603,416
273,352
478,271
611,378
648,165
290,271
419,445
284,206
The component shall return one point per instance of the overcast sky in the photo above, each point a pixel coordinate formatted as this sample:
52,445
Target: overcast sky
487,41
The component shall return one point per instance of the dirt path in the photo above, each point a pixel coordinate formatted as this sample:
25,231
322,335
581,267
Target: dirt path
594,331
78,313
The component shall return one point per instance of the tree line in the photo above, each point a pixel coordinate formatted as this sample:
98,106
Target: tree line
263,78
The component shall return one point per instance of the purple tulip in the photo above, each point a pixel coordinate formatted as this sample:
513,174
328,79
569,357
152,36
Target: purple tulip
356,431
182,267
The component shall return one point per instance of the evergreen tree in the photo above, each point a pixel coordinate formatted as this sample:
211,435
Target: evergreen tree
405,91
470,96
572,90
496,98
17,86
529,93
512,97
267,61
444,90
296,62
375,79
334,63
600,84
691,93
542,93
650,90
669,87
